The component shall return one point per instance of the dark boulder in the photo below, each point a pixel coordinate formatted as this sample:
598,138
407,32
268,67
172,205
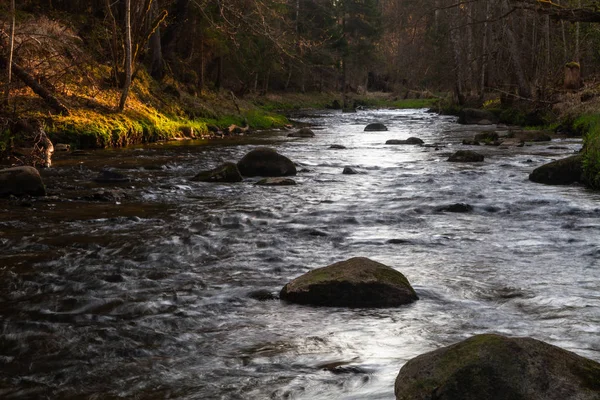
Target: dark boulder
486,137
410,140
357,282
302,133
337,147
494,367
456,208
227,172
265,162
466,156
349,171
110,176
561,172
20,181
473,116
376,127
262,295
278,181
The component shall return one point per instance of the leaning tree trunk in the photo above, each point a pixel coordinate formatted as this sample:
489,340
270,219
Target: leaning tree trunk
128,62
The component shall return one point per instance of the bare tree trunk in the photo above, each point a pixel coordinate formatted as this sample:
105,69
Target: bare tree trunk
128,61
113,46
458,66
484,59
11,49
157,69
470,61
577,35
513,47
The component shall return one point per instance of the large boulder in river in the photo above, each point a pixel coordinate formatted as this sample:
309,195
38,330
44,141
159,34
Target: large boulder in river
494,367
227,172
466,156
561,172
19,181
376,127
473,116
302,133
357,282
410,140
265,162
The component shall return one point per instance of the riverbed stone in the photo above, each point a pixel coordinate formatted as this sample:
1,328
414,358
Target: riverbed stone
495,367
20,181
357,282
410,140
227,172
267,162
456,208
466,156
376,127
486,137
349,171
337,147
277,181
561,172
473,116
110,176
303,133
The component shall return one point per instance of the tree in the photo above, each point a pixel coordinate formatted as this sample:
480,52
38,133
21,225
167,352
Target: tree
128,56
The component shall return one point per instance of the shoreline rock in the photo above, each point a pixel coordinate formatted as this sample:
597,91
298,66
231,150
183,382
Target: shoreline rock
560,172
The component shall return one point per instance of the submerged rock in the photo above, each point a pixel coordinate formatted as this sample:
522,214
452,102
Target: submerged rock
561,172
349,171
466,156
495,367
278,181
20,181
410,140
110,176
265,162
302,133
456,208
473,116
375,127
227,172
357,282
337,147
262,295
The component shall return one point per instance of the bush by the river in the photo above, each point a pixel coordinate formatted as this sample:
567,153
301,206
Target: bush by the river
357,282
494,367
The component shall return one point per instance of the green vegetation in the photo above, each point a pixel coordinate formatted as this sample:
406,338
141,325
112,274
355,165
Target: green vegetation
590,124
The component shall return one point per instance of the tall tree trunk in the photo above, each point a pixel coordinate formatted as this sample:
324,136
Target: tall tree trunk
484,52
157,69
515,55
128,61
458,65
577,36
11,49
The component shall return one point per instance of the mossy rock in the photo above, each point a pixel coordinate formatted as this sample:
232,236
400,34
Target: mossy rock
410,140
20,181
486,137
466,156
376,127
227,172
303,133
266,162
357,282
495,367
561,172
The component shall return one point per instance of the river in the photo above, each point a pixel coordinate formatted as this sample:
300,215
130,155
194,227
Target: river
147,295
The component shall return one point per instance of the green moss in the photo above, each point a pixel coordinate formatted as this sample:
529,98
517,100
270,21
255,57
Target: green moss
572,64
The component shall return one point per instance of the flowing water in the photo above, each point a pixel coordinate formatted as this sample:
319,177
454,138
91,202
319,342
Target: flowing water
147,295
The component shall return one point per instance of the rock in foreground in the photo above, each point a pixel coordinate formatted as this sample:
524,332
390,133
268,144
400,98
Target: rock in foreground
495,367
357,282
376,127
227,172
19,181
466,156
561,172
265,162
